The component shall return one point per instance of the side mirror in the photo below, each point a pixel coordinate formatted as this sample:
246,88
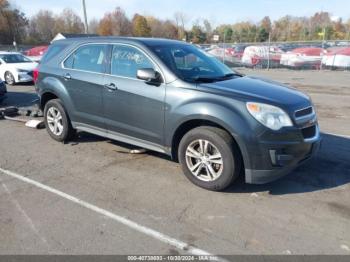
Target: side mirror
149,75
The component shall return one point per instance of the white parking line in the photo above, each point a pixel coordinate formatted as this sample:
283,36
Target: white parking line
25,215
129,223
333,134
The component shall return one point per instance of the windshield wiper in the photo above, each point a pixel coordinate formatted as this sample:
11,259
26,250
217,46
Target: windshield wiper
209,79
204,79
231,74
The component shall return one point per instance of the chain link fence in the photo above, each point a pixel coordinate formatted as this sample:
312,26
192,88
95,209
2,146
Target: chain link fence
314,55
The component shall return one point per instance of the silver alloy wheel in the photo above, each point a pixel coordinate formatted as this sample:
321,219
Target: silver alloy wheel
204,160
54,120
9,79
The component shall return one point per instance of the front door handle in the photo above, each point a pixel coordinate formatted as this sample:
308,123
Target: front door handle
67,76
111,87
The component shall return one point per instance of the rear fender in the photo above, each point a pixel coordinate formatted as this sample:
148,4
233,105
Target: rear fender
54,86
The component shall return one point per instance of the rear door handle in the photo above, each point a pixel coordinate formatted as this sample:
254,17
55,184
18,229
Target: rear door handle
111,87
67,76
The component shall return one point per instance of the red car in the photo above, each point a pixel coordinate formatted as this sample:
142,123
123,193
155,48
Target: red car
36,53
238,51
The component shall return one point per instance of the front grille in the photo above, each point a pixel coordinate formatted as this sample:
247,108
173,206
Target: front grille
304,112
309,132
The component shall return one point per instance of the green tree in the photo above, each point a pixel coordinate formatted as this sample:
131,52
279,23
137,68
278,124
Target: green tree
263,35
140,26
225,32
263,30
228,32
197,35
266,24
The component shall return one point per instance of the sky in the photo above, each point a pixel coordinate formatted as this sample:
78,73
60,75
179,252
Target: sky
217,11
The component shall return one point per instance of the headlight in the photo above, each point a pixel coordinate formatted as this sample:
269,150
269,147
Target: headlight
270,116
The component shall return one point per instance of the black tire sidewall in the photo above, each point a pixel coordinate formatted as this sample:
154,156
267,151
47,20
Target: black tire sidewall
224,145
65,121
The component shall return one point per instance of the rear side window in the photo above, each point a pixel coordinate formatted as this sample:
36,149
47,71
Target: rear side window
52,52
126,60
90,58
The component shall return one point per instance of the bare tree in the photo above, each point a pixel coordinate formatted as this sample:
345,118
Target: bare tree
13,23
40,27
208,30
161,28
181,20
115,23
156,25
68,22
93,26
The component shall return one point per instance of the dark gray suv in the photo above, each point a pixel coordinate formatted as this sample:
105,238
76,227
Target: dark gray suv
171,97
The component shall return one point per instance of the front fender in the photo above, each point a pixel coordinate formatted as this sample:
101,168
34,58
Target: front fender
231,118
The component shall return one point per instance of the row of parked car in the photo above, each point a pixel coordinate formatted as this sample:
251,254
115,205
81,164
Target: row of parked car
313,57
18,67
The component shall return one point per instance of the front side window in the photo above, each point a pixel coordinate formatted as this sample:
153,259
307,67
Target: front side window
126,60
90,58
15,58
192,64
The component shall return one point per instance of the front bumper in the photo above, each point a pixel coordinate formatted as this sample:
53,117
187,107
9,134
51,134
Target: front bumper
24,77
274,159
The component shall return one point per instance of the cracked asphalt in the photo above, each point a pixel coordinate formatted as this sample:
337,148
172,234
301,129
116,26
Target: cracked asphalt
306,212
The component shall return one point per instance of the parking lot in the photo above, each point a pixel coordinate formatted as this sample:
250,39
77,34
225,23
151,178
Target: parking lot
91,196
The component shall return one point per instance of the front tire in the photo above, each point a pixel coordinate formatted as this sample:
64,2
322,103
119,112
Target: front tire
210,158
9,78
57,121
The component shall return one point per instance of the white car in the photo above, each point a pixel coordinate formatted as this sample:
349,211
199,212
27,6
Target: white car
16,68
303,57
259,55
338,57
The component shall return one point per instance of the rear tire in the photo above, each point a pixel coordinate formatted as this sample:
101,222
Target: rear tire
57,122
9,78
210,158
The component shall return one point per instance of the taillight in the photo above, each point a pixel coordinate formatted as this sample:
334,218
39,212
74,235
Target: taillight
35,74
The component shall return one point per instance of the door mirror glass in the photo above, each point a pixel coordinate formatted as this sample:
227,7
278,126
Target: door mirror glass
148,74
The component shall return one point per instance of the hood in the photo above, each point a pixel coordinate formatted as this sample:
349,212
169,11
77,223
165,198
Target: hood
24,66
257,89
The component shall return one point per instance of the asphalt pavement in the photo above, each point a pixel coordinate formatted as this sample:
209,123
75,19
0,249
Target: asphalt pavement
90,196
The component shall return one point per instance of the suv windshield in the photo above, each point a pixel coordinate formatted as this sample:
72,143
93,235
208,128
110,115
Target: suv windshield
189,63
15,58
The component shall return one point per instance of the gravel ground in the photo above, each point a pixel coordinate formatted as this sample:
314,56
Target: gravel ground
306,212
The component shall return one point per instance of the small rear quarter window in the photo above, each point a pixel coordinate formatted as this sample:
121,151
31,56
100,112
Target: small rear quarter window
53,51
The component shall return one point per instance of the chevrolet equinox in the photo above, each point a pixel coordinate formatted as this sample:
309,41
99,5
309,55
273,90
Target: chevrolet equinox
172,97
